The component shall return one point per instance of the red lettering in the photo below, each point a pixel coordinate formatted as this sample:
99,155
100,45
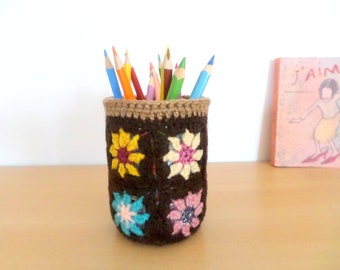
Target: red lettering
297,76
310,74
335,69
317,72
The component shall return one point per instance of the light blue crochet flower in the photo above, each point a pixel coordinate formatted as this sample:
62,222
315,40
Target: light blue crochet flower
130,216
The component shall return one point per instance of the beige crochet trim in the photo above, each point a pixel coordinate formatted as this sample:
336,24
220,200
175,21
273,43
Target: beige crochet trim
152,109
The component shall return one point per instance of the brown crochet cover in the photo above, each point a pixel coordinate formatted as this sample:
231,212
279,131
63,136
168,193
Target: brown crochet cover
157,155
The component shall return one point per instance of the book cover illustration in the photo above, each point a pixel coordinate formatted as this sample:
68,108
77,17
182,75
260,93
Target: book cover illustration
306,113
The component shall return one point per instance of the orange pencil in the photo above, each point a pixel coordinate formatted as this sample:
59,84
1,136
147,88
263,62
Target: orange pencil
124,81
127,65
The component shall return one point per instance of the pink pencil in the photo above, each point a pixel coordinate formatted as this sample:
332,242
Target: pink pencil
151,88
156,82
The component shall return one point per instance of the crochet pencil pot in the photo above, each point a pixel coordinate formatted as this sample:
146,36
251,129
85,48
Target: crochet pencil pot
157,157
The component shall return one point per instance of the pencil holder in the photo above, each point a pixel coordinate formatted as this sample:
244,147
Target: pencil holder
157,158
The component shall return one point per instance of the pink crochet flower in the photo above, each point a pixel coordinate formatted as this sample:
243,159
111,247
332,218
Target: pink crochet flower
184,213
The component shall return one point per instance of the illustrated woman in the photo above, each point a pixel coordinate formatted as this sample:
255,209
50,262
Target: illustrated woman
326,130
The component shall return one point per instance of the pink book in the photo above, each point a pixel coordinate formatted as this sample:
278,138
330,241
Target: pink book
306,113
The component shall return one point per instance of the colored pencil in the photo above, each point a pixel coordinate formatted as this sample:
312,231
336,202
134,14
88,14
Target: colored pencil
127,65
162,83
202,80
124,81
150,95
177,81
176,67
159,65
166,74
156,81
136,84
112,77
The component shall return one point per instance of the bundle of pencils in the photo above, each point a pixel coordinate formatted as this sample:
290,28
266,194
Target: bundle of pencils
166,85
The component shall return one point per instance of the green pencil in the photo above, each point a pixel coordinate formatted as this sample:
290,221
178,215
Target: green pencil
177,81
159,66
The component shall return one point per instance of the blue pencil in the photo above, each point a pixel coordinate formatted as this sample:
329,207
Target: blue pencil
112,77
202,80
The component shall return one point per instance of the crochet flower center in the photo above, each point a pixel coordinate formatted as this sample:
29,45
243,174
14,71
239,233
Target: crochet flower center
186,154
123,155
125,214
183,155
188,214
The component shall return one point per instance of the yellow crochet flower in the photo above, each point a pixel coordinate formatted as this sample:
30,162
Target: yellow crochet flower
124,152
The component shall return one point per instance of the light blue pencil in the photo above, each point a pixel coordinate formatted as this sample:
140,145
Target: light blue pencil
202,80
112,77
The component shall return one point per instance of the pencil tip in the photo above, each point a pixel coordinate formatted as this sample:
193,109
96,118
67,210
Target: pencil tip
114,50
211,61
182,63
105,53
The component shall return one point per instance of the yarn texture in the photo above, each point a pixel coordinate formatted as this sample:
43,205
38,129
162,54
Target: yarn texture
157,156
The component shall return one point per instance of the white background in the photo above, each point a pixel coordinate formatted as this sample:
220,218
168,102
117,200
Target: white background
53,78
